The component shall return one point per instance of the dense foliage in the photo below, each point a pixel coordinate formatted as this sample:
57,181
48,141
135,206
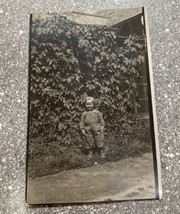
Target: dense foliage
68,62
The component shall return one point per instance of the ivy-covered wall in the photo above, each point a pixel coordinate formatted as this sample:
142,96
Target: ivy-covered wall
68,62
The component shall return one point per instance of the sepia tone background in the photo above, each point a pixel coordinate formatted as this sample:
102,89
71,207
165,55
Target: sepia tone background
69,61
14,39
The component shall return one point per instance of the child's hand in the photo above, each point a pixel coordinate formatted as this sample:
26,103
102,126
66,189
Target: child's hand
102,129
83,131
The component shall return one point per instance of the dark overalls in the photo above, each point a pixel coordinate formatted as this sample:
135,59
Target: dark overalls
91,122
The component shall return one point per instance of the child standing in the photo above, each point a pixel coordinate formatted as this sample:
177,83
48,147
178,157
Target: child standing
92,127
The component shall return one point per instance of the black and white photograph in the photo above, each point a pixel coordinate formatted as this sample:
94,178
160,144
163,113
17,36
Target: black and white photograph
92,132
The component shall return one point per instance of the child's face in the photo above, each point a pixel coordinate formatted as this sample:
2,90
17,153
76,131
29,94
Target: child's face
89,105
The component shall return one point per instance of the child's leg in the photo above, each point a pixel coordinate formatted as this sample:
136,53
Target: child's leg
89,142
102,152
98,137
90,154
99,140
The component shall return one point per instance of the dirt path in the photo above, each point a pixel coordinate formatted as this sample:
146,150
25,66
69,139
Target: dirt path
131,178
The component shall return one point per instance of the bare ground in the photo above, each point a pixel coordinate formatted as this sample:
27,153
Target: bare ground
131,178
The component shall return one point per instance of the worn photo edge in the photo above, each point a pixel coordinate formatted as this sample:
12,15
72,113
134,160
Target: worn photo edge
158,160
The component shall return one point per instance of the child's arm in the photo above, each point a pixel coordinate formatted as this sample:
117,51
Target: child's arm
82,123
101,120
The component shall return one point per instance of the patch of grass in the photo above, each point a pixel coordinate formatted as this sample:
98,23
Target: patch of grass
59,155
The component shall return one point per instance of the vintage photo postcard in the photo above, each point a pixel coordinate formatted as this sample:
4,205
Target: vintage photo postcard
92,131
